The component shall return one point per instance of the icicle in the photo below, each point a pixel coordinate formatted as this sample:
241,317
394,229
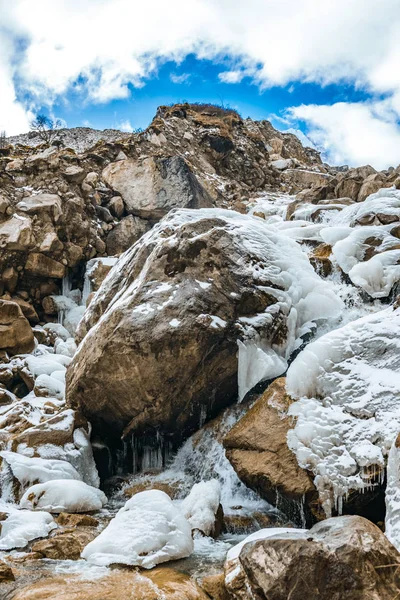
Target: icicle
87,287
66,285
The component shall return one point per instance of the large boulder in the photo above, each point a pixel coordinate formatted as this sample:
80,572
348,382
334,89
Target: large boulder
16,335
164,328
343,558
150,187
257,449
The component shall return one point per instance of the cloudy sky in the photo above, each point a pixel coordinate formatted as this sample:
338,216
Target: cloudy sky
328,67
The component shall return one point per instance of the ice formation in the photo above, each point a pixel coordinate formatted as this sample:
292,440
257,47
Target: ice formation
374,210
392,520
38,470
59,495
378,275
22,526
348,414
201,505
147,531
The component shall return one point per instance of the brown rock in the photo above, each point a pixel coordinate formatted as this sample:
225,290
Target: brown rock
10,279
74,174
16,233
320,259
76,520
370,185
16,334
50,243
40,204
6,572
4,204
172,489
349,187
44,266
257,449
6,397
342,558
15,165
57,430
298,179
150,187
49,305
214,586
125,234
65,546
27,309
116,585
240,524
116,206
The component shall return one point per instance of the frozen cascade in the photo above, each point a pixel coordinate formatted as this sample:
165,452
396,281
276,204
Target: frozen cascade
71,303
66,286
392,521
202,458
87,288
347,383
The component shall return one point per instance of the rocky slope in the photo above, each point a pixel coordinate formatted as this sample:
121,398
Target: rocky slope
250,271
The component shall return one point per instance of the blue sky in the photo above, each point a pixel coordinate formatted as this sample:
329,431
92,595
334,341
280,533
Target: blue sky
196,80
328,68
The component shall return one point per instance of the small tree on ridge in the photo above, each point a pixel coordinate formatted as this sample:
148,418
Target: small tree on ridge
47,129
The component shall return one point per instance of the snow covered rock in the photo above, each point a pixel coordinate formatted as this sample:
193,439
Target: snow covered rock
22,526
189,291
201,506
61,495
365,242
343,557
34,470
147,531
257,449
347,384
151,187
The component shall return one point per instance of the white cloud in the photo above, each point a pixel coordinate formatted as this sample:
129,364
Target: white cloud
183,78
231,76
125,126
111,44
354,133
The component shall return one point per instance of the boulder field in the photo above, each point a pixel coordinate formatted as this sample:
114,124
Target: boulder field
199,330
